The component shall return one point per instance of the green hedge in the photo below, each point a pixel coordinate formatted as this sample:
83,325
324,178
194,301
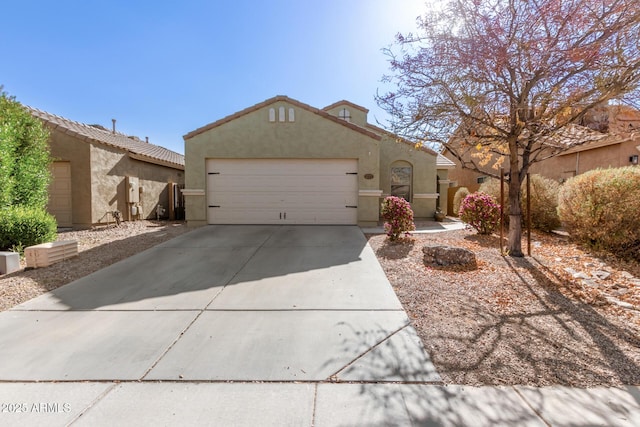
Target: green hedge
602,209
24,226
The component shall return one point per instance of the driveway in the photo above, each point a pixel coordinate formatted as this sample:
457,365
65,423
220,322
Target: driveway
289,306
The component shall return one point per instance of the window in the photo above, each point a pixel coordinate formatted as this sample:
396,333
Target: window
345,115
272,115
401,177
481,179
281,114
292,115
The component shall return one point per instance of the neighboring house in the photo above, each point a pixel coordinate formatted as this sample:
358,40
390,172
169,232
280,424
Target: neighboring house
282,161
97,171
618,146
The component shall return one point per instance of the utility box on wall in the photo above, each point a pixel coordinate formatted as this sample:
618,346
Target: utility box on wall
133,193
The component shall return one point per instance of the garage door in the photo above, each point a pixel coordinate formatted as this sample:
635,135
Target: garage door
282,191
60,193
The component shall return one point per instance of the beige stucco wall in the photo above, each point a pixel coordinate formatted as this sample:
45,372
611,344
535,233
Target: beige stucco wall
424,185
253,136
67,148
111,166
568,165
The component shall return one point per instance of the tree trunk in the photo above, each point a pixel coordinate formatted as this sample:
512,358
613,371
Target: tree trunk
514,244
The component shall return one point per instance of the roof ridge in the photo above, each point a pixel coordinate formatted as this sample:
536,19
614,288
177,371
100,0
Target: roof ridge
120,140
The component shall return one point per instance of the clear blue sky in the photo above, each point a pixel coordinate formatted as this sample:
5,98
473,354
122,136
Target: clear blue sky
165,68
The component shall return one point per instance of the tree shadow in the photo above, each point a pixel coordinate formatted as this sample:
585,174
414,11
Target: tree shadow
396,250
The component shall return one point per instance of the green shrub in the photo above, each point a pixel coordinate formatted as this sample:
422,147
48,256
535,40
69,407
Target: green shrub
458,198
481,212
24,156
602,209
23,226
544,201
398,217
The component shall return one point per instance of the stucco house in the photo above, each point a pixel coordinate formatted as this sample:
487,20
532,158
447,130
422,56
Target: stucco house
285,162
97,171
614,133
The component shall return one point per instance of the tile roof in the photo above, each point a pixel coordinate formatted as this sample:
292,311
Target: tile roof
137,149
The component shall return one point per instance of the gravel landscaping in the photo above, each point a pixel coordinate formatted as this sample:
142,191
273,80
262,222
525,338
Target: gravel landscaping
97,248
561,316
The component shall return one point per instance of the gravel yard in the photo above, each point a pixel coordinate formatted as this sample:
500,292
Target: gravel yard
97,248
520,320
562,316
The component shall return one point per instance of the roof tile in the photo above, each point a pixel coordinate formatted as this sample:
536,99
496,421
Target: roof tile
154,153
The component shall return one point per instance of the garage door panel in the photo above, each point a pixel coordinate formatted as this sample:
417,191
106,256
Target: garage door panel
268,191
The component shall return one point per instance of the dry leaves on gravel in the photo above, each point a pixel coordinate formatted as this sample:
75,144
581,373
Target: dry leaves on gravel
518,320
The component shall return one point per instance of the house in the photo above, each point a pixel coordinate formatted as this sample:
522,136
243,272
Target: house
285,162
614,141
97,171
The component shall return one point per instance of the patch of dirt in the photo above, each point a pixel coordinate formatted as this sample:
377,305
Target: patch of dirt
97,248
520,320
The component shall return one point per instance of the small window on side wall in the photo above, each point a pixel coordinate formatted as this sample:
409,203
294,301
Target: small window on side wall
401,179
345,115
481,179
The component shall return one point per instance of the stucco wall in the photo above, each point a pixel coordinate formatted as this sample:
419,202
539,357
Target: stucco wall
568,165
111,166
253,136
424,182
67,148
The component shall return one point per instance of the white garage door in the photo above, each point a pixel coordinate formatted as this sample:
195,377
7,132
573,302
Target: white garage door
282,191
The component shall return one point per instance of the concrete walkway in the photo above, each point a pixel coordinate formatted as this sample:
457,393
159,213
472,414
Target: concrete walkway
251,325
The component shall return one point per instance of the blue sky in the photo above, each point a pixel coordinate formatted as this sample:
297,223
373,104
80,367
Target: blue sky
165,68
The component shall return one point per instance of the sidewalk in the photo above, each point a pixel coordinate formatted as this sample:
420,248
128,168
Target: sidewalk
311,404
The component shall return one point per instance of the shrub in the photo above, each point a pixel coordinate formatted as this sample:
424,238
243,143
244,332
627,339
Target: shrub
23,226
602,209
481,212
544,201
398,217
459,197
24,156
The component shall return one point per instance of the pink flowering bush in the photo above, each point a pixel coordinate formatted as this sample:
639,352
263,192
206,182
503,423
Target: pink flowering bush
398,217
481,212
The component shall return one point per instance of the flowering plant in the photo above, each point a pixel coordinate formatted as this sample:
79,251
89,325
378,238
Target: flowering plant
481,212
398,217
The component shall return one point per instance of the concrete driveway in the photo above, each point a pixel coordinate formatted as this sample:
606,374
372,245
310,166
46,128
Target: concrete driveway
252,326
292,306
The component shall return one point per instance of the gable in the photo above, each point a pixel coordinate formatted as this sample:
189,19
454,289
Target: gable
281,127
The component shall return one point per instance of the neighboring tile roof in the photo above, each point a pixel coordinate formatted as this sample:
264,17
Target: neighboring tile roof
138,149
292,101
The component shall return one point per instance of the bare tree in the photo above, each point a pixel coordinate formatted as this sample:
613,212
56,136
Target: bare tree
508,80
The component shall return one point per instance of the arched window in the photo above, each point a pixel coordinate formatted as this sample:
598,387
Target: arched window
401,180
281,117
345,115
292,115
272,115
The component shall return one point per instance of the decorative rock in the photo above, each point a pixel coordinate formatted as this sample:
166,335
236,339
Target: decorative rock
619,303
576,274
601,274
448,255
590,282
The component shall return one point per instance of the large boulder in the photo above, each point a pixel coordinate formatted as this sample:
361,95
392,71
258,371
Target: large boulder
448,255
